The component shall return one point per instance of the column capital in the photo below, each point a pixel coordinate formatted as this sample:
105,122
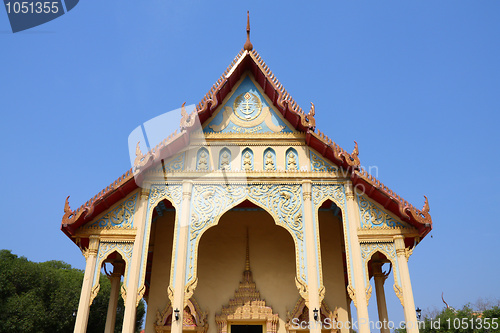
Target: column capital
306,189
399,242
92,248
144,193
377,270
349,192
187,187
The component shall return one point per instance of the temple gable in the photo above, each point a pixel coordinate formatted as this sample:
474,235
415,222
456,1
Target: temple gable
247,110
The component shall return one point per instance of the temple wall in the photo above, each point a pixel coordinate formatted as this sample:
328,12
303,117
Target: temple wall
333,271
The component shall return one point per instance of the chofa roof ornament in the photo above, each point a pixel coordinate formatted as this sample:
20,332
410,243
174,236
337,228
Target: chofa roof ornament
422,216
187,120
248,45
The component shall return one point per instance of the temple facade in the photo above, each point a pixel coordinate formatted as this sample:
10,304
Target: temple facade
247,219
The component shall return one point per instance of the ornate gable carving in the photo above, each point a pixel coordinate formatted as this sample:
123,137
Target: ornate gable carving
247,111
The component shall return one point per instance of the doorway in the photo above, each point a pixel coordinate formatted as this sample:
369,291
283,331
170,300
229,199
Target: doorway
246,329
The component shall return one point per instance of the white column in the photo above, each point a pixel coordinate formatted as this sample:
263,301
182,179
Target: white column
312,258
404,274
182,248
82,316
113,298
135,266
379,278
357,261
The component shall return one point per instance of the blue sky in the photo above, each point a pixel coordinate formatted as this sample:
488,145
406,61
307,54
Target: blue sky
416,84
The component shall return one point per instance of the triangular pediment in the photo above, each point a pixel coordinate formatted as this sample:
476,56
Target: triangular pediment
247,109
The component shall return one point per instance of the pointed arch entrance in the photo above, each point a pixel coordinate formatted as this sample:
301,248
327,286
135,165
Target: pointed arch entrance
267,288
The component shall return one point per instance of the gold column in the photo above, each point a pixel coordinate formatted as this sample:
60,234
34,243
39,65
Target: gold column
404,274
311,255
180,265
135,266
379,278
357,262
113,297
82,316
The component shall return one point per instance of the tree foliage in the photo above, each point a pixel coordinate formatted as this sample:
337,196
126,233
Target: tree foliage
465,320
43,297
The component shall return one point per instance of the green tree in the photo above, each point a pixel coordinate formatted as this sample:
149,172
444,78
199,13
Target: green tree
464,320
43,297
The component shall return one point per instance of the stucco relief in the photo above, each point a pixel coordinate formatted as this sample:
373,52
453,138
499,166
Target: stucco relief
282,201
372,217
120,217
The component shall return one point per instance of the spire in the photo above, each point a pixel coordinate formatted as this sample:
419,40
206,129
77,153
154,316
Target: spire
247,274
247,260
248,45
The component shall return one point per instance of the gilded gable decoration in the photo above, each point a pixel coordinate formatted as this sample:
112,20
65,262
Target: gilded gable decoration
372,217
175,164
319,164
247,112
120,217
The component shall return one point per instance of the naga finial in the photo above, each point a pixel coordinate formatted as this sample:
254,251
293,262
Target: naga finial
355,151
183,110
426,208
67,208
186,119
312,111
138,152
248,45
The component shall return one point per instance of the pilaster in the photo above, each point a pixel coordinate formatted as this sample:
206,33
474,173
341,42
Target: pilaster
133,280
404,274
359,296
90,254
312,258
181,260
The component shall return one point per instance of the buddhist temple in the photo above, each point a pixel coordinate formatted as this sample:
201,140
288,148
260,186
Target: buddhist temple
247,218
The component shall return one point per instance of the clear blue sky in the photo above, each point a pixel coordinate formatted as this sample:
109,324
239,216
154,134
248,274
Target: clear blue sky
416,83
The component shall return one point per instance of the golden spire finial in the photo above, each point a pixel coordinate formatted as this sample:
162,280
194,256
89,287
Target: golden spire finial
248,45
247,259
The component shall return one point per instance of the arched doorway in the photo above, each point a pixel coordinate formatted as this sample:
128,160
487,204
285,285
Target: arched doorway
222,260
